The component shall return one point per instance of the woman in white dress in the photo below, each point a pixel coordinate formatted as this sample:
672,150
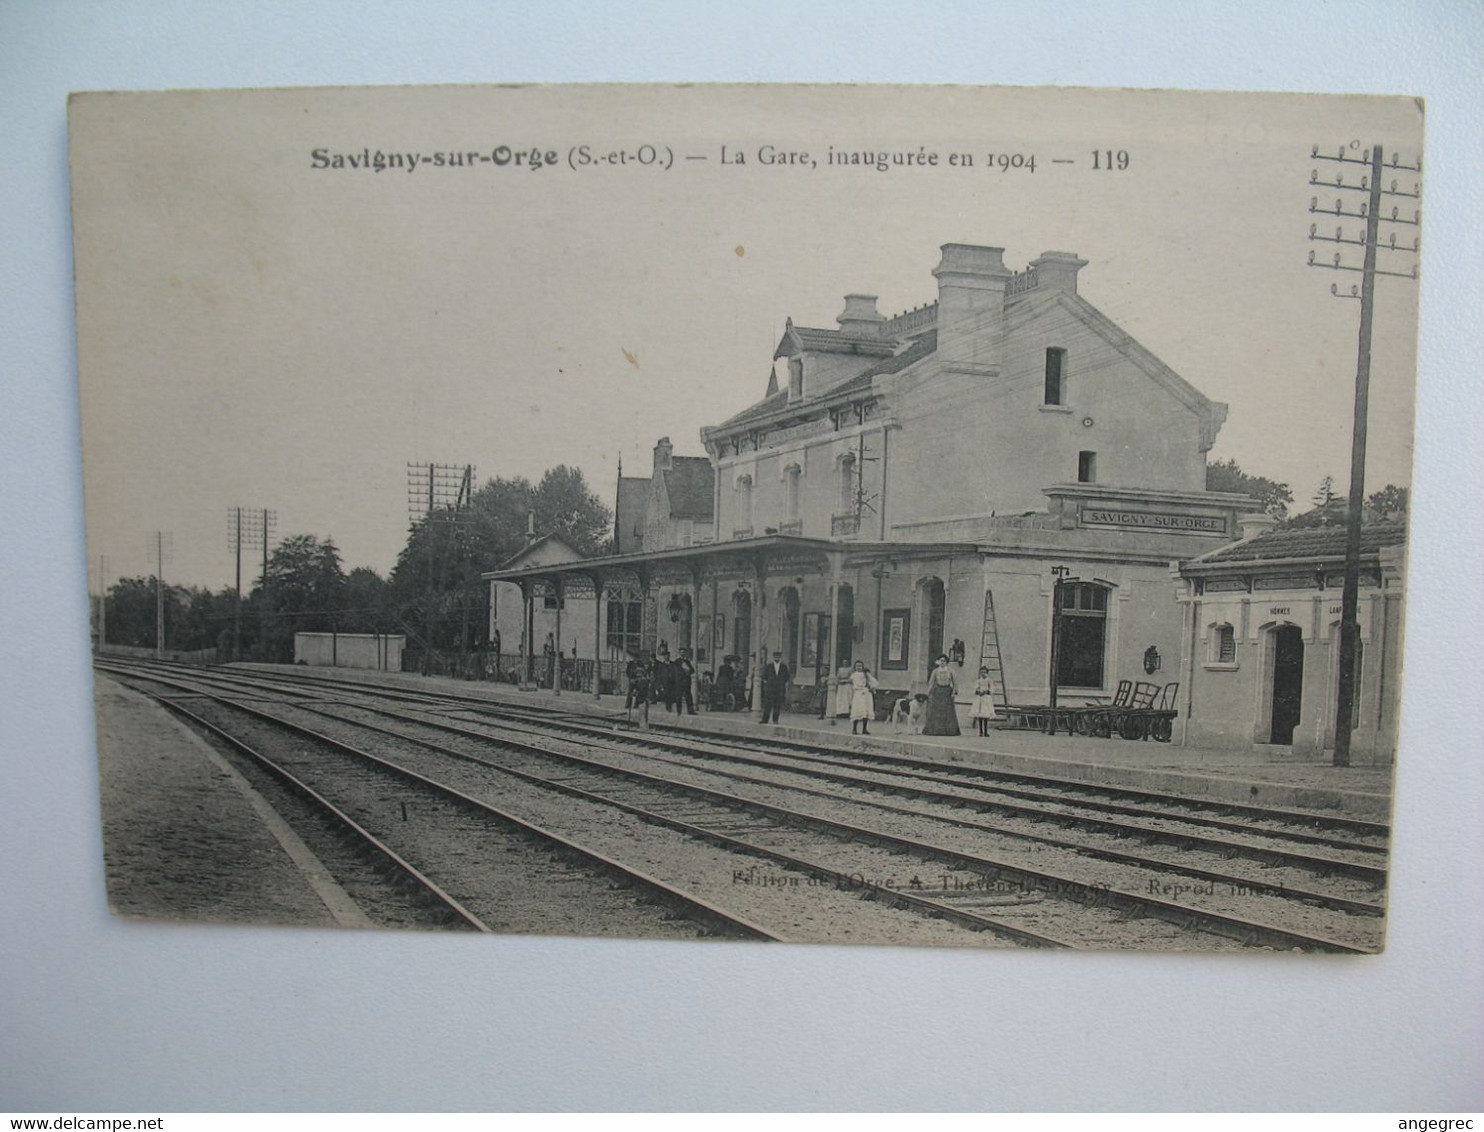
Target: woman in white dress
843,692
862,702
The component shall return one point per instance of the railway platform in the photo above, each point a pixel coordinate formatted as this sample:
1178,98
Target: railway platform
185,837
1260,775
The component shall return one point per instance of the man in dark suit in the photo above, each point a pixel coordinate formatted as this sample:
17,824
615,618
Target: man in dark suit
775,687
682,672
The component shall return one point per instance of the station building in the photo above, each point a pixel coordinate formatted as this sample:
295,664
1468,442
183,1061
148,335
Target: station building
914,485
1262,654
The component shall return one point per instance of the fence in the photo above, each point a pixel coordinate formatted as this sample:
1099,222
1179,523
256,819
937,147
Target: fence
181,656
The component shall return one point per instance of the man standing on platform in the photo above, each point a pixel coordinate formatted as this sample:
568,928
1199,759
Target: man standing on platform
684,672
775,687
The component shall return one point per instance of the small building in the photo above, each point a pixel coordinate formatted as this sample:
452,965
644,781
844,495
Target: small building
379,651
670,508
1261,654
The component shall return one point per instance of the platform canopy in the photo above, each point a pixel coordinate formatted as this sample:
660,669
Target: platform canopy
747,559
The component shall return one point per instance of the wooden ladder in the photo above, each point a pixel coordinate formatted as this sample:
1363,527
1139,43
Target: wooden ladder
989,656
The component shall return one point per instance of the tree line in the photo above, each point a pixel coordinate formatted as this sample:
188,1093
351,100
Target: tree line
433,595
1327,508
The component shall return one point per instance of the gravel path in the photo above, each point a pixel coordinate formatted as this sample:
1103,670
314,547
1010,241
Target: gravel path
181,839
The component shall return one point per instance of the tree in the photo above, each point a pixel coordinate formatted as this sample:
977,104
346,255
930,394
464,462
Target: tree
303,587
194,617
1390,503
436,590
1328,511
367,603
562,502
1272,496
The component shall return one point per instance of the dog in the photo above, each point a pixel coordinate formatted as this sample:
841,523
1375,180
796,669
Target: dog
907,714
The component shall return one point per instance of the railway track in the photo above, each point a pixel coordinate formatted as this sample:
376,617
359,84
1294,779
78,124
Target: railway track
462,846
772,799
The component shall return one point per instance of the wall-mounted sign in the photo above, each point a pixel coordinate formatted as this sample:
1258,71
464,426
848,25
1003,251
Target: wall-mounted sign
896,626
1152,521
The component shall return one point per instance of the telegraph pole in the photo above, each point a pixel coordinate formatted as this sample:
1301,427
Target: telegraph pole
1059,574
159,549
1369,183
102,601
431,489
245,526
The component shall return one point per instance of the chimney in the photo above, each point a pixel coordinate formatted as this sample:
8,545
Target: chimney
1057,271
971,307
860,316
664,453
530,527
1259,523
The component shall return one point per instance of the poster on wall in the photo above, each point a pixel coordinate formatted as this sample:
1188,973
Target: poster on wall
894,638
363,363
816,640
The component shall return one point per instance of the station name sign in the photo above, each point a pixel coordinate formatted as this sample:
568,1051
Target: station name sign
1153,520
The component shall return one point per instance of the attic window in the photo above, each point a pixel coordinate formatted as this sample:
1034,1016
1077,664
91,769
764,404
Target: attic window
795,379
1056,358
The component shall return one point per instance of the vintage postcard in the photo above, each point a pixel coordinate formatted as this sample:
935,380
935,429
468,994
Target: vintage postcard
878,515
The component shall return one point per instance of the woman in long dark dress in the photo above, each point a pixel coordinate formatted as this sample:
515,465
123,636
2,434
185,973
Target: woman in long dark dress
942,716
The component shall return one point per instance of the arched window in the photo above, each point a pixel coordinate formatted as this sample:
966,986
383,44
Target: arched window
1083,635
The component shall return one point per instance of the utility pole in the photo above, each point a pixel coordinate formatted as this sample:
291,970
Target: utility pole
863,501
159,550
1369,183
441,493
1059,574
245,527
102,601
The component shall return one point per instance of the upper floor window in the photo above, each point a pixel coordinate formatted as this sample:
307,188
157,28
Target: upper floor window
792,476
795,378
1087,467
847,484
744,503
1056,365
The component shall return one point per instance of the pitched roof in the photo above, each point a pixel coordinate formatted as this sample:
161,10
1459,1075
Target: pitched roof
555,537
690,482
761,409
921,347
825,341
1310,542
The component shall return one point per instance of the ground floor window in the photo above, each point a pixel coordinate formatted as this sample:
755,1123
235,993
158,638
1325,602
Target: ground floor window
625,621
1083,634
1223,645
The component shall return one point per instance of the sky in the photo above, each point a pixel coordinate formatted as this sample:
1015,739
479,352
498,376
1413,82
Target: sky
262,325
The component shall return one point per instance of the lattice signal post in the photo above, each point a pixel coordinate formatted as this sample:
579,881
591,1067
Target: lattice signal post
248,527
444,492
1374,191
